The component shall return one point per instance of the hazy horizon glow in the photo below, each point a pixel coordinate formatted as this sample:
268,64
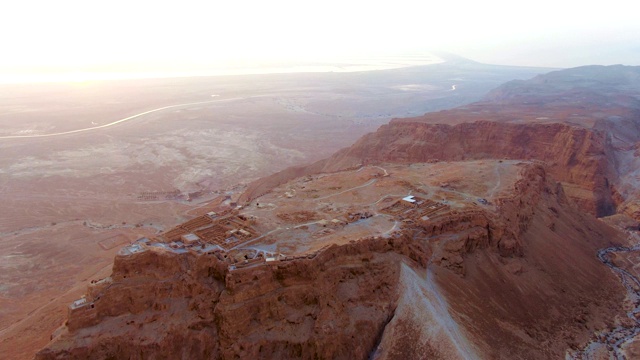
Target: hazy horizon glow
346,65
125,37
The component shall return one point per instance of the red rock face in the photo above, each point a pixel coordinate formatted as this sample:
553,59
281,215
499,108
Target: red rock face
536,305
333,306
574,155
582,159
584,123
518,281
363,298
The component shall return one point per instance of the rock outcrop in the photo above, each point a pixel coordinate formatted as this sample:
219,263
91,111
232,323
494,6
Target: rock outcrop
517,280
354,300
578,157
160,304
583,122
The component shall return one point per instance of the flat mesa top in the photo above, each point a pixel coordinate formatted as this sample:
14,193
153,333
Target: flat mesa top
312,212
305,215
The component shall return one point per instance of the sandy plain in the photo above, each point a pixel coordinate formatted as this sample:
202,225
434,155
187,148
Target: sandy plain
68,203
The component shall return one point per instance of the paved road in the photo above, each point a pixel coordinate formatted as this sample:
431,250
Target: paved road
111,123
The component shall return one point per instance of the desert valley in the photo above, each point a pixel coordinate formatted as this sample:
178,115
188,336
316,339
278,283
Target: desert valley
70,202
285,216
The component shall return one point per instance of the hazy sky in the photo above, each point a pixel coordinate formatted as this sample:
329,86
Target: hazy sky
137,35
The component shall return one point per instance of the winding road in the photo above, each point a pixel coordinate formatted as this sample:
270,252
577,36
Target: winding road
109,124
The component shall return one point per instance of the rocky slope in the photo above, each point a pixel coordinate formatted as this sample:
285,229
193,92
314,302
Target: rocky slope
488,285
517,280
584,123
578,157
166,306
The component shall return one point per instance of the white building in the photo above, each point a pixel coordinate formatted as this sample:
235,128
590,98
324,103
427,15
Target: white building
410,199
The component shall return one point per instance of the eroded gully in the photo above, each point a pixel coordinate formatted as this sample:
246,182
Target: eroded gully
612,341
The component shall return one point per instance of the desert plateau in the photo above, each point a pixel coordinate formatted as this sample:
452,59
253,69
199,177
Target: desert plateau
349,180
498,225
71,200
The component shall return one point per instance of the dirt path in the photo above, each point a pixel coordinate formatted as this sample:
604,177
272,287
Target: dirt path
370,182
498,183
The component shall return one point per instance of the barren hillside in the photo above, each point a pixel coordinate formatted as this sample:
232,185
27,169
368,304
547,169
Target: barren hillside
469,233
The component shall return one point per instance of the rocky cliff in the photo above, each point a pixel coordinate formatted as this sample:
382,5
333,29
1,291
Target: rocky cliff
167,306
578,157
514,279
584,123
360,299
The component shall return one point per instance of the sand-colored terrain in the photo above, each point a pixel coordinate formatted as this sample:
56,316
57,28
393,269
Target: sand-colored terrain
400,260
422,240
63,197
367,202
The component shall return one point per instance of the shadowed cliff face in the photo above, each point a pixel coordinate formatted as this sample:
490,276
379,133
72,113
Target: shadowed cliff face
163,305
584,123
472,284
515,279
